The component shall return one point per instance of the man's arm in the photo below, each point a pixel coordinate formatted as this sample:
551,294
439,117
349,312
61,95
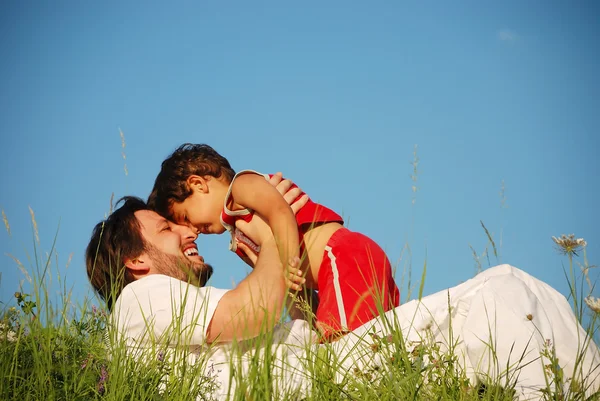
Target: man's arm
256,304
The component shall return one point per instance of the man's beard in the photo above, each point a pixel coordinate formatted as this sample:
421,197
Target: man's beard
180,268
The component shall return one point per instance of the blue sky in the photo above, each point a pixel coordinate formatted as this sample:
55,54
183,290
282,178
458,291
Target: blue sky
336,96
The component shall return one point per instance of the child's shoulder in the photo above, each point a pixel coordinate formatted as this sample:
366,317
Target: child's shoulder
245,172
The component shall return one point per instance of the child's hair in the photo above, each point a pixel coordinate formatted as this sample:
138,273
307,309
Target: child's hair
187,160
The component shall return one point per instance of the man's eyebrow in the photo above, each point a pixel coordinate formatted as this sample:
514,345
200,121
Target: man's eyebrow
161,223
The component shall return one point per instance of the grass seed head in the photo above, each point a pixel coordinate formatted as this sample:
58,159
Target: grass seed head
593,303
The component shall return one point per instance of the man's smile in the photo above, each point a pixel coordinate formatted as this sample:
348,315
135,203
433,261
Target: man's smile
191,252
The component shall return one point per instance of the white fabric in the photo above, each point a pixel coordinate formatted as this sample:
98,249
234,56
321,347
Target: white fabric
338,290
503,306
149,308
495,307
159,309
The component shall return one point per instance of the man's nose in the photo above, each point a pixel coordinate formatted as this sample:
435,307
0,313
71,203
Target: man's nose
187,231
192,232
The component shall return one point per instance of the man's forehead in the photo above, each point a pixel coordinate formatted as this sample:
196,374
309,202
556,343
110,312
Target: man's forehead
148,218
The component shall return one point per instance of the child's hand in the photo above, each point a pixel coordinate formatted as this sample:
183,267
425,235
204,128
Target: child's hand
295,279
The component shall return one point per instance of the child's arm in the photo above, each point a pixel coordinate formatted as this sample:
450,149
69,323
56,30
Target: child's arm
254,192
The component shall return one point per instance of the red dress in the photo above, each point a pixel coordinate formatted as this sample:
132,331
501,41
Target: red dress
311,213
355,279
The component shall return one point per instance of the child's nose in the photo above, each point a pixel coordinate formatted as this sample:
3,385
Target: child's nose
194,229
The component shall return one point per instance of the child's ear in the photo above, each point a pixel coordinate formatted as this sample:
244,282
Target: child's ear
197,183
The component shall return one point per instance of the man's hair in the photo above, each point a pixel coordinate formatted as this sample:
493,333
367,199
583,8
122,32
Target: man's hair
188,159
113,240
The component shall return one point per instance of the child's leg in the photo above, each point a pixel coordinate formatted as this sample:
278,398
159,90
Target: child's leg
355,283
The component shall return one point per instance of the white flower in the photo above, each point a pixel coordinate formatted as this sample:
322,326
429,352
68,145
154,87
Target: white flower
593,303
568,244
11,336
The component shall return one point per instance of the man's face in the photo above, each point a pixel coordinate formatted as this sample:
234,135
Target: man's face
172,250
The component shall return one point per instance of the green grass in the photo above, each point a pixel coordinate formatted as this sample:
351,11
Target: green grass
62,351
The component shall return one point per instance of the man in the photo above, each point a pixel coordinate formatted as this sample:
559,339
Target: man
152,278
501,319
136,251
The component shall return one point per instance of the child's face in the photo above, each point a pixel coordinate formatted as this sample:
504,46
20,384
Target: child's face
201,211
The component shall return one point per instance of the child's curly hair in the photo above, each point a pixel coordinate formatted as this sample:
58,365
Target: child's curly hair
187,160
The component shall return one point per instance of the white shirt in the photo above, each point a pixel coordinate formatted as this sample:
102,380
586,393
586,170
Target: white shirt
159,314
147,309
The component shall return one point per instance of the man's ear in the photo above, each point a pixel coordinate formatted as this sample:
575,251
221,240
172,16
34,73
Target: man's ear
198,183
138,266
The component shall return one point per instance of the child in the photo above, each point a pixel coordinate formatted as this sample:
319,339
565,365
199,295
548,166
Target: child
197,186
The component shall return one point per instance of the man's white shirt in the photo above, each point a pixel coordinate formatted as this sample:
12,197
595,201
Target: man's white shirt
159,305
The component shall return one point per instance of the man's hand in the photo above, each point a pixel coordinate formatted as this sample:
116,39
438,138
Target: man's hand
283,186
